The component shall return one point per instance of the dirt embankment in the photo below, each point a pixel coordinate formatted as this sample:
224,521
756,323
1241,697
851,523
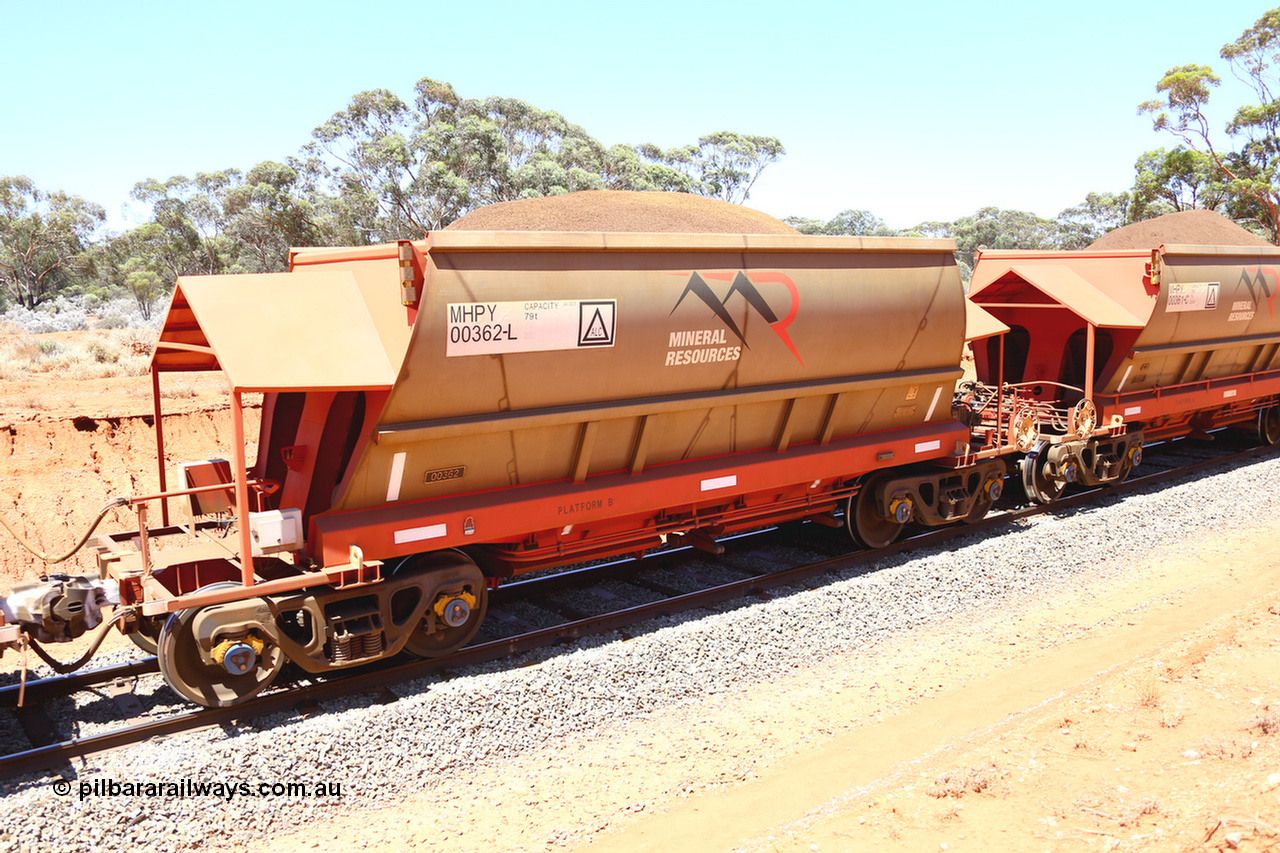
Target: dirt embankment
57,470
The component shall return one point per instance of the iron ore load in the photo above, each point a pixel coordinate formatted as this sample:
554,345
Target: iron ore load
441,414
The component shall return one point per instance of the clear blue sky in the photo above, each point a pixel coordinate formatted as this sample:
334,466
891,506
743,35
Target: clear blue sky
914,111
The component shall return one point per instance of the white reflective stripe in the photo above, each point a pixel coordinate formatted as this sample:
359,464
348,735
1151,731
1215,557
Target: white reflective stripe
566,530
397,474
926,446
1124,378
1226,394
719,483
1133,410
417,534
936,394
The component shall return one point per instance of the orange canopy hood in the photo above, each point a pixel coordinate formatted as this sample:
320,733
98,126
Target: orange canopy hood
275,332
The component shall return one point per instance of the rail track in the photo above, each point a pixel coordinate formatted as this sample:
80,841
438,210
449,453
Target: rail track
536,613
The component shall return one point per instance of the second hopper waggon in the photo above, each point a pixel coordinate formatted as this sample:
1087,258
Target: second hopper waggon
438,415
1106,349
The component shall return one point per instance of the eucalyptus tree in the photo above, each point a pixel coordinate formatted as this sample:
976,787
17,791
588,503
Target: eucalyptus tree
729,163
1252,166
395,169
1081,224
190,222
267,213
44,240
1169,181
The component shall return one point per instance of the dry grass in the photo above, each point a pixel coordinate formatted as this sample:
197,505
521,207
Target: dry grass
1132,812
1128,813
1224,749
86,356
957,783
1149,694
1266,723
178,392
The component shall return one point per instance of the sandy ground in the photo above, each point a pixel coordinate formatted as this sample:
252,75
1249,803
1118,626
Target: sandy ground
1142,713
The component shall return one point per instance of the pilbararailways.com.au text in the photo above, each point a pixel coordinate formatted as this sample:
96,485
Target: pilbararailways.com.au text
194,788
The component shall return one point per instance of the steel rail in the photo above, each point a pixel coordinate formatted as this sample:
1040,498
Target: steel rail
375,678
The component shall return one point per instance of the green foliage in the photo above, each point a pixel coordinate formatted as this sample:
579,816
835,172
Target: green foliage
1252,169
1080,225
44,240
265,215
397,170
380,169
990,227
993,228
729,163
854,223
1171,181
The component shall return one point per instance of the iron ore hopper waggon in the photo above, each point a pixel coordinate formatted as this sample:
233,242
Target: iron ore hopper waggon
443,414
1106,349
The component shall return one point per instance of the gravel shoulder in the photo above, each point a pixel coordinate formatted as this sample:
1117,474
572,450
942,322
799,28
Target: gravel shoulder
1136,707
919,704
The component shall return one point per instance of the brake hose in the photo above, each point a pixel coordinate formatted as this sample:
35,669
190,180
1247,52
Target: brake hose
111,504
63,668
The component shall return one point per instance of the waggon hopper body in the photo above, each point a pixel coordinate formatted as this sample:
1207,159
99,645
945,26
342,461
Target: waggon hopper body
440,414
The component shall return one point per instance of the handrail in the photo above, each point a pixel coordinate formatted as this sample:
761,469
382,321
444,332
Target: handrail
195,490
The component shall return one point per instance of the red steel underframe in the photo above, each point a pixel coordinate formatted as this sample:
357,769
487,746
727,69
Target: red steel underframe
1188,398
508,515
511,514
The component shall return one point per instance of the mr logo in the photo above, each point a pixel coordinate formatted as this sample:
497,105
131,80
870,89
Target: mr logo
747,288
1260,288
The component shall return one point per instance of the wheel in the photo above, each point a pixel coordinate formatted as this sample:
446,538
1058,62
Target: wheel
147,634
460,599
206,684
981,507
1132,458
989,494
1036,482
863,520
1269,426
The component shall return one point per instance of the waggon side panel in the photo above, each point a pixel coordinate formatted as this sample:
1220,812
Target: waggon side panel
1214,317
710,484
785,335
